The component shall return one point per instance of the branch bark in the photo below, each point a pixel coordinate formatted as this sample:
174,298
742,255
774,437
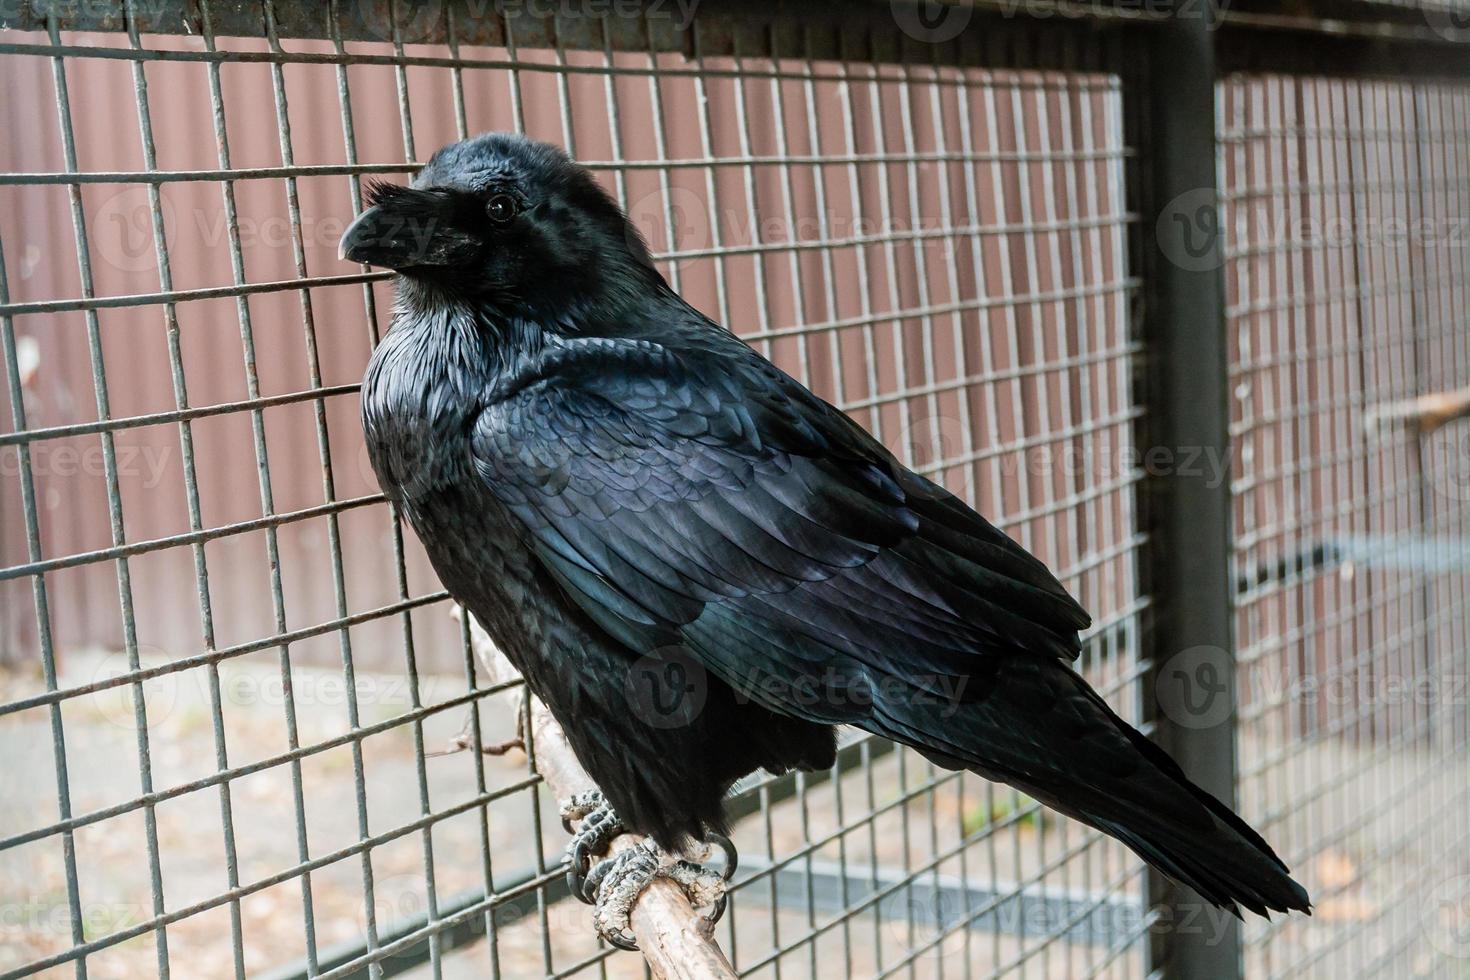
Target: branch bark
676,941
1427,412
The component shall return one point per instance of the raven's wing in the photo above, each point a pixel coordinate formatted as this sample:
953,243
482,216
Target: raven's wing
701,497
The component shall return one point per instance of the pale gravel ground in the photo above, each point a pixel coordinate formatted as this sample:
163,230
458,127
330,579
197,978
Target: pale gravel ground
102,759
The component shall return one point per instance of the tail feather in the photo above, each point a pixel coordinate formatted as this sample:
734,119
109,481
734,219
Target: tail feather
1229,864
1040,728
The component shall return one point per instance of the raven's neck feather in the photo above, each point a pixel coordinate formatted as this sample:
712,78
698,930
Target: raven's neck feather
474,341
481,344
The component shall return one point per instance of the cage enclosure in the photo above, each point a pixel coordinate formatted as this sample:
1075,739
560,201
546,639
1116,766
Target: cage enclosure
1135,281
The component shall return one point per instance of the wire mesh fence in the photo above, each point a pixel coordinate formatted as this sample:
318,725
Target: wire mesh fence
1343,201
229,676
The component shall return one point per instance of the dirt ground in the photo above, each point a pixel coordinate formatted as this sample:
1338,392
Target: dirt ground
1354,883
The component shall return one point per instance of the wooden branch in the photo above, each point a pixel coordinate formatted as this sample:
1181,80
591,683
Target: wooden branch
1427,412
677,941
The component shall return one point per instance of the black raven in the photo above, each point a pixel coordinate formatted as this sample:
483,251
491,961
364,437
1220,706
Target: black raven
601,474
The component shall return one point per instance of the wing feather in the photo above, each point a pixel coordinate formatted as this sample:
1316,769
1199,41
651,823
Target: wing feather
704,498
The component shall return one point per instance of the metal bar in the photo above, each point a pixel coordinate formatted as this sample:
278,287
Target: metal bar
1345,19
427,61
1188,514
487,923
239,290
191,490
482,23
41,602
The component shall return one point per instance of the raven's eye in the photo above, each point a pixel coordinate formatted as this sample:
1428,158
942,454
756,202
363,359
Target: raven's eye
501,208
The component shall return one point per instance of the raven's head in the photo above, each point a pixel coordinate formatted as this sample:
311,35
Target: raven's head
504,220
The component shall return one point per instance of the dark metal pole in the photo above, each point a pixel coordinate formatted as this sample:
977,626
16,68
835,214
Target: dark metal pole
1185,451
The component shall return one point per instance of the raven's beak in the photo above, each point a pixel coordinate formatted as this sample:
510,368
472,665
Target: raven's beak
412,229
354,246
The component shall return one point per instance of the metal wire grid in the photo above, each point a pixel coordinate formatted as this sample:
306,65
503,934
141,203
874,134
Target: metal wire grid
975,316
1344,208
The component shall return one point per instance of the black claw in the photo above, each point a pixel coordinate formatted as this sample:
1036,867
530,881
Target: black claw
578,862
599,827
732,856
592,881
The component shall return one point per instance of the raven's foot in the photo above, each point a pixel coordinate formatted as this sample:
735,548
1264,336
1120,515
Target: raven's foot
613,886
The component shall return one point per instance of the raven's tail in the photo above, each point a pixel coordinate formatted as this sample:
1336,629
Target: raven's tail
1189,835
1039,727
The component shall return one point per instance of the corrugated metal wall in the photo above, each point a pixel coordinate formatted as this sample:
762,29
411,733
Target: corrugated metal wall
1027,285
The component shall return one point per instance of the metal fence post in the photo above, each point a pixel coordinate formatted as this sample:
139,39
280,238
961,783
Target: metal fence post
1186,440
